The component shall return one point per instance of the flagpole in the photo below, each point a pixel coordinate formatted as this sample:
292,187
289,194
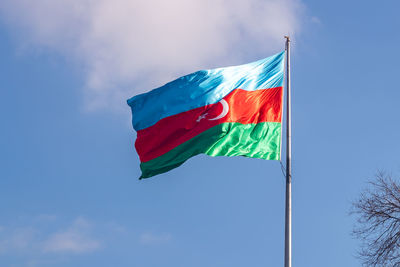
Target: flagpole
288,207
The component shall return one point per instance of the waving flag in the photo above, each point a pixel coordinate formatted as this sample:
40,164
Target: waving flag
232,111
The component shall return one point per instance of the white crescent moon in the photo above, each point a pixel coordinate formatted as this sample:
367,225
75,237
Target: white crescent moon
225,110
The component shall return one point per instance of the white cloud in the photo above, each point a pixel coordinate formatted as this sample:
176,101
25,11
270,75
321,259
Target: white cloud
127,47
75,239
155,239
316,20
17,239
45,218
42,262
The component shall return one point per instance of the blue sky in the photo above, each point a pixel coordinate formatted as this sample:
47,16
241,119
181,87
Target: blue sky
69,193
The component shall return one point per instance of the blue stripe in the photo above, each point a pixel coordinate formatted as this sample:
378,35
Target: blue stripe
204,87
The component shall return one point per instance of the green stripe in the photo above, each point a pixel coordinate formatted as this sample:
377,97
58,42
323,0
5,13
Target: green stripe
261,140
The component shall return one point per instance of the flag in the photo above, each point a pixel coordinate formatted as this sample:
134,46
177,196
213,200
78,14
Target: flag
232,111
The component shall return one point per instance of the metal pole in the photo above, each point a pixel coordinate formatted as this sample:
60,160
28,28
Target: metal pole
288,207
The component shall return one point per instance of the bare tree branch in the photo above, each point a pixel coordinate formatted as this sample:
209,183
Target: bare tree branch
378,222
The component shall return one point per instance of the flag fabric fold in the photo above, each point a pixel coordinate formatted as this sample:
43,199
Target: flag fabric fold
232,111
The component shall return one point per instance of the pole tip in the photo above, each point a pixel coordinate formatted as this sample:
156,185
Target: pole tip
287,37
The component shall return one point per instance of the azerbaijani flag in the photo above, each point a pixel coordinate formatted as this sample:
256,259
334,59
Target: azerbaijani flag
232,111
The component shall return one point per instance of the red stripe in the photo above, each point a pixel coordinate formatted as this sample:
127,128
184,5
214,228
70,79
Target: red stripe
244,107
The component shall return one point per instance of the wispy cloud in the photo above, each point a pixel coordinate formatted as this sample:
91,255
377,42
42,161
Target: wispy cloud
46,218
17,239
75,239
155,239
126,47
316,20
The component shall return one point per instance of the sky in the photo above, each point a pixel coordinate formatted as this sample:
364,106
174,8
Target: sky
69,188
